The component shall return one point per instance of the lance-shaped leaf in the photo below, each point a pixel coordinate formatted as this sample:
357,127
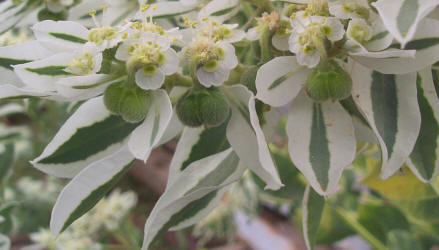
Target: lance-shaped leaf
90,134
87,188
280,80
313,205
424,160
12,13
389,103
426,44
193,195
60,35
402,17
321,141
18,54
247,139
5,243
9,91
148,134
43,74
78,88
196,144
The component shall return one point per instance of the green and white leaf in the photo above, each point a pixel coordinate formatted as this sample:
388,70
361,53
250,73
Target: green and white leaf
43,74
87,188
247,139
60,35
10,109
313,205
280,80
426,44
9,91
196,144
78,88
424,160
90,134
18,54
402,17
193,195
389,103
11,14
321,141
221,9
148,134
402,240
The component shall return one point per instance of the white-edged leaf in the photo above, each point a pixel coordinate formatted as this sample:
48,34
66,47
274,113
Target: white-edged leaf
167,9
196,144
424,160
313,205
18,54
389,104
9,91
426,44
245,135
321,141
78,88
87,188
90,134
193,194
280,80
148,134
401,17
217,8
43,74
173,130
60,35
11,108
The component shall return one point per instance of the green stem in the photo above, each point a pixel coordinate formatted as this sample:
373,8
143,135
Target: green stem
352,222
264,42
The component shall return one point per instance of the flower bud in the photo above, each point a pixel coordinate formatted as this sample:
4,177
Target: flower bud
132,103
203,107
328,81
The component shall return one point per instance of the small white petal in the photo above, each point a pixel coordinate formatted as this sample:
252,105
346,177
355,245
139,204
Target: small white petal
216,78
150,82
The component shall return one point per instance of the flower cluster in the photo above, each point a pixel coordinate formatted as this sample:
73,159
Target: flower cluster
216,74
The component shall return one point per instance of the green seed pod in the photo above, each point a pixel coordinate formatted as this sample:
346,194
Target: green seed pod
131,103
328,81
203,107
135,105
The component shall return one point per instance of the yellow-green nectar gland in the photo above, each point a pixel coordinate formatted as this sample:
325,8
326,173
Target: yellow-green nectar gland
147,56
82,65
284,29
356,9
359,33
99,35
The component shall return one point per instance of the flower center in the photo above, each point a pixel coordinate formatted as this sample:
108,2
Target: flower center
98,35
82,65
359,33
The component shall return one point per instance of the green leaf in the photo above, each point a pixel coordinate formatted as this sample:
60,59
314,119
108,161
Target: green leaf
402,240
424,160
389,104
321,141
90,134
87,188
313,205
193,194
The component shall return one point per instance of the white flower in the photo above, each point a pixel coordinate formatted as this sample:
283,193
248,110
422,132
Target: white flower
57,5
348,9
308,36
220,32
214,60
151,56
87,60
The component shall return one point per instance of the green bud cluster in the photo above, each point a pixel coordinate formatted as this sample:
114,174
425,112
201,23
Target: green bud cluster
328,81
203,106
130,102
